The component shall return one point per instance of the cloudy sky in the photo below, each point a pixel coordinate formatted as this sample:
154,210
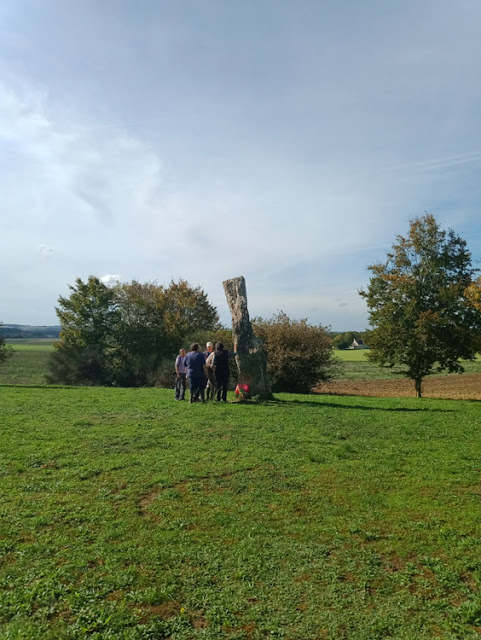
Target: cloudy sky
203,139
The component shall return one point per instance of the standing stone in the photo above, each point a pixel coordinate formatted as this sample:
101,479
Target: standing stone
251,358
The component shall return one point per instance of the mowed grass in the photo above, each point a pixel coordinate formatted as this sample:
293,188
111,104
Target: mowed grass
127,515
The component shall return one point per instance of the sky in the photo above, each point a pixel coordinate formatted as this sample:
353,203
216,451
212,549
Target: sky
289,142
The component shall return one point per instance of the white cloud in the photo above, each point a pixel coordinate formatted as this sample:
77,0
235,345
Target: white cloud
110,279
292,158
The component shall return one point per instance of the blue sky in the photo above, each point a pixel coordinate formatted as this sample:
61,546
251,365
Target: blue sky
205,139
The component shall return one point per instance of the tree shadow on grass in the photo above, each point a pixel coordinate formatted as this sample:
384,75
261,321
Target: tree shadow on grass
334,405
59,387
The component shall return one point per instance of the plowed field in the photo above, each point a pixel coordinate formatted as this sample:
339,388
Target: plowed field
455,386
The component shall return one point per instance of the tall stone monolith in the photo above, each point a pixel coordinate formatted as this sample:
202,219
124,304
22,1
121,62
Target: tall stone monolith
251,358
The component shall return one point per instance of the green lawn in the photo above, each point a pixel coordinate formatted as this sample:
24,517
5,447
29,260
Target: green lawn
352,355
124,514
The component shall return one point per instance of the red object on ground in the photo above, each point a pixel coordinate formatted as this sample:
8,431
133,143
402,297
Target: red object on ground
243,391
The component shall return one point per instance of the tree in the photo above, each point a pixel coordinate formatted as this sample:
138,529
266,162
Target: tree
5,351
299,355
187,310
143,337
121,335
418,308
88,348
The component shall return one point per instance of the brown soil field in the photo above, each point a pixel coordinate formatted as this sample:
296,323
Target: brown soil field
454,386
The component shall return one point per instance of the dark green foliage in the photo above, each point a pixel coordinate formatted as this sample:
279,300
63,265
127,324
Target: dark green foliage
89,340
299,355
418,308
121,335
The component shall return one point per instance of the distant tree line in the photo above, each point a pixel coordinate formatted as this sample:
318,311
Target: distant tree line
16,331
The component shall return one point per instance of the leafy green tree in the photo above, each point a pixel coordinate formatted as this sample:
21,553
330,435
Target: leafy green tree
5,351
299,355
187,310
143,336
418,308
156,321
123,335
88,349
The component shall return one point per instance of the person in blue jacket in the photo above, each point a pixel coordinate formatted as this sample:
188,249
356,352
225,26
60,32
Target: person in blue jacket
196,372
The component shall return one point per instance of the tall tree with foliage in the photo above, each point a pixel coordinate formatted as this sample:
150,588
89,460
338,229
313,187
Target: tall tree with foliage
418,308
88,349
187,310
121,335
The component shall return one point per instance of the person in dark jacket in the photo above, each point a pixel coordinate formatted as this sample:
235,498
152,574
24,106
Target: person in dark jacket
221,364
196,372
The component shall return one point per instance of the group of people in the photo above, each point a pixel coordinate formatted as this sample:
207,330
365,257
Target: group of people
207,372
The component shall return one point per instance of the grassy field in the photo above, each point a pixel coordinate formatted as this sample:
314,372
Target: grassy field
127,515
356,366
28,365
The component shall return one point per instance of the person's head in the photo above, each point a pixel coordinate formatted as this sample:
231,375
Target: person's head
182,352
219,346
194,346
210,347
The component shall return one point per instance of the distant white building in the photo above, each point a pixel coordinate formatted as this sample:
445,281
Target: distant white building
358,344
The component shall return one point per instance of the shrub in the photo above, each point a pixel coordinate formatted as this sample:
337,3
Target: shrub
299,355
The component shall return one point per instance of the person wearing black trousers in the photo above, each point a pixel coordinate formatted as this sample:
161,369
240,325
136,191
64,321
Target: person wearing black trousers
221,364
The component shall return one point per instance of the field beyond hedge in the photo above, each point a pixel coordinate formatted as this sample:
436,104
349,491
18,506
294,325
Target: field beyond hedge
127,515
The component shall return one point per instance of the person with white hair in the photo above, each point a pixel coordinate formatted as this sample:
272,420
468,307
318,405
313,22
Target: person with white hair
211,386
